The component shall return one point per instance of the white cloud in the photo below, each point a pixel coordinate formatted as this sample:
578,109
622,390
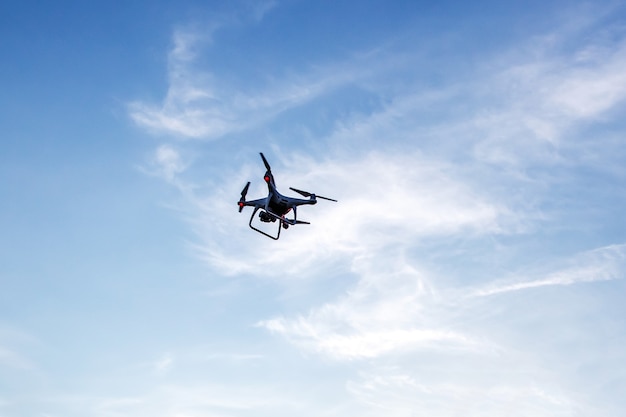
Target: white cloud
397,393
169,162
603,264
199,106
261,8
173,400
364,344
543,93
447,349
389,310
393,308
587,93
519,109
385,199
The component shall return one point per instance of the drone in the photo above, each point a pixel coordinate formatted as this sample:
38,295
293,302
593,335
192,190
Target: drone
275,206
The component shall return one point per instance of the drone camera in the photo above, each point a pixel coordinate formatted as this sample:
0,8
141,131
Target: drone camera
265,218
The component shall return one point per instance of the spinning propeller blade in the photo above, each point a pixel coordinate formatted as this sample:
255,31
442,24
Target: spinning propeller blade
267,165
268,177
308,194
242,200
325,198
304,193
245,190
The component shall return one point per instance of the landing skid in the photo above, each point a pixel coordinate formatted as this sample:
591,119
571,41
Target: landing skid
283,222
280,223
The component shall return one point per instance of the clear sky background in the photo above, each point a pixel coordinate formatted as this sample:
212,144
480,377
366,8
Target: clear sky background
474,265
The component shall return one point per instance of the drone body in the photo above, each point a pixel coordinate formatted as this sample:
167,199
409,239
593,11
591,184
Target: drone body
276,206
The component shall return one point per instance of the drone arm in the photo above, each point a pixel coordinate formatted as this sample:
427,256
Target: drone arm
260,203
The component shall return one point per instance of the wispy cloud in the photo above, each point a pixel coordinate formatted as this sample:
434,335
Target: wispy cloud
395,308
546,90
397,393
175,400
603,264
169,162
519,109
190,107
199,106
387,311
407,194
363,344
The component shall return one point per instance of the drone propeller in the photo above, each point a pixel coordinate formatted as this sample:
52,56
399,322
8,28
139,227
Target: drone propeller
242,200
267,165
245,191
308,194
268,177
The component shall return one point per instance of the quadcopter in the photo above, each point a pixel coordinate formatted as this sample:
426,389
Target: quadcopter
276,206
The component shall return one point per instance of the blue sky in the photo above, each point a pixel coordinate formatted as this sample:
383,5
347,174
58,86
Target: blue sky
474,264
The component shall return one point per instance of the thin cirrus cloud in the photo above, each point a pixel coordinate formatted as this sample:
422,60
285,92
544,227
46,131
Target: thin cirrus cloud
519,108
395,308
534,93
546,94
396,393
382,315
602,264
171,399
198,106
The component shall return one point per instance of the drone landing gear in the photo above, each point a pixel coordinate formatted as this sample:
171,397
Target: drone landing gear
266,218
